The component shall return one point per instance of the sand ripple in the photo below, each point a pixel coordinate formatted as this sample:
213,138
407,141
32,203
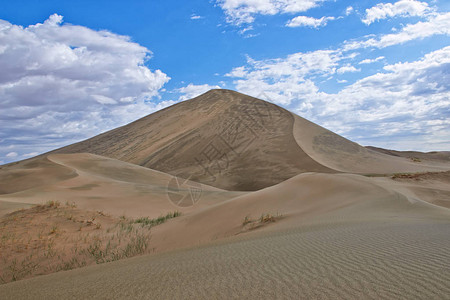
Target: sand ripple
375,260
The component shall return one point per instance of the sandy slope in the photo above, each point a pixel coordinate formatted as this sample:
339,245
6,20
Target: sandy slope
340,154
100,183
304,199
433,155
342,237
221,138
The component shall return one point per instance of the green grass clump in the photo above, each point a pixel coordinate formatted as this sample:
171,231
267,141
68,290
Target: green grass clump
146,221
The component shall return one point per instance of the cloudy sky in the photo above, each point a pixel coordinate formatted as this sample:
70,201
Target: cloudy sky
376,72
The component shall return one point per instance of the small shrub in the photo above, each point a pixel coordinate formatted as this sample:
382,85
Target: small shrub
54,229
266,218
52,204
71,204
246,220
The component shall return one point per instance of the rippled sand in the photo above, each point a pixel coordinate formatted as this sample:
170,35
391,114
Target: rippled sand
378,260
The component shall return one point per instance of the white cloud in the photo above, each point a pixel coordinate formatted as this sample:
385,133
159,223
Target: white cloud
402,8
196,17
62,82
308,21
349,10
191,90
438,24
369,61
406,100
30,154
287,78
11,154
347,69
241,12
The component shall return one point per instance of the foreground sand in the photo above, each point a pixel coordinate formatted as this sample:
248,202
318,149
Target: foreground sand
359,238
373,260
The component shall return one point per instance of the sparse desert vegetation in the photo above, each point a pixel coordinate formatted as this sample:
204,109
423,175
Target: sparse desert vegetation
52,237
421,175
146,221
248,223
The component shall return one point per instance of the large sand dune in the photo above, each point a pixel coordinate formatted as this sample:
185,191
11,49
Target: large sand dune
286,209
222,138
236,142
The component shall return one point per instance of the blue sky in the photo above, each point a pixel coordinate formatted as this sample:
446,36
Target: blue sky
376,72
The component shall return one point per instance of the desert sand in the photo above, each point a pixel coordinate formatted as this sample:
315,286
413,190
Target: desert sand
288,210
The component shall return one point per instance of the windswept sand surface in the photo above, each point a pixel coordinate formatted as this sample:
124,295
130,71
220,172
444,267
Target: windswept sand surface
100,183
221,138
305,199
373,260
337,153
341,237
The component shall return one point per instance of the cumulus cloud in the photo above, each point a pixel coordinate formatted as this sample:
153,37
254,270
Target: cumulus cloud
60,83
241,12
347,69
403,102
349,10
402,8
410,98
369,61
191,90
438,24
308,21
11,154
284,79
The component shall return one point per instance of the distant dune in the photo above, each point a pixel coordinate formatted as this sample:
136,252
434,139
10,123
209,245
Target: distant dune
96,183
272,206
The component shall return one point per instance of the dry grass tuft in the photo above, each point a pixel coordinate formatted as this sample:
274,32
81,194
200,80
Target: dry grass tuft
48,238
248,223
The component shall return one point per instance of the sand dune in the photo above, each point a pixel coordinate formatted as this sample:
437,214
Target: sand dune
305,199
358,238
30,173
221,138
340,154
370,261
433,155
99,183
324,218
